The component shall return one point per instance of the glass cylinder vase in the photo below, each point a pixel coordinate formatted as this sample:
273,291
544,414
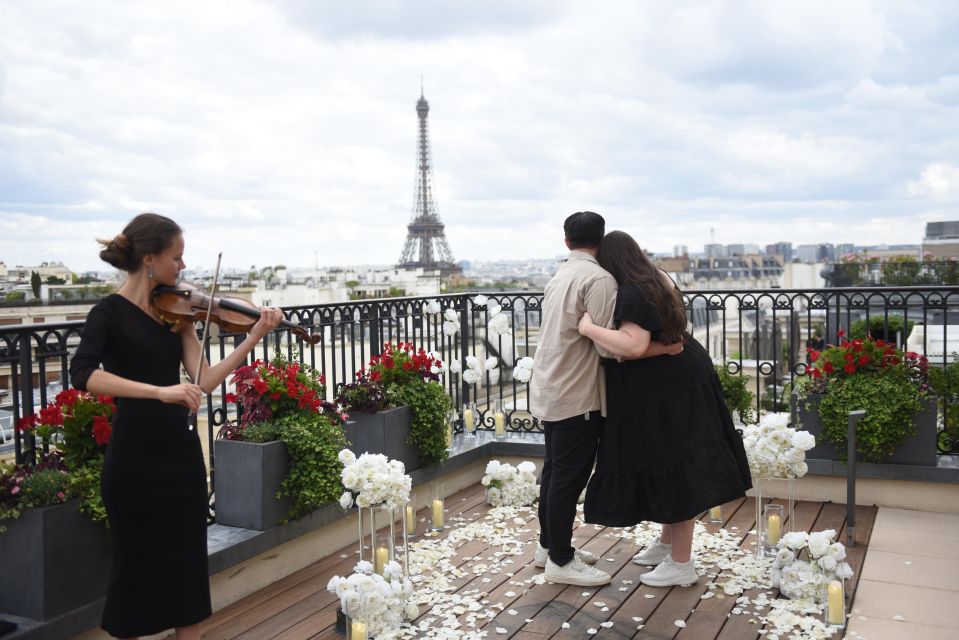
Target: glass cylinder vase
382,534
834,603
760,528
499,420
470,416
772,521
791,506
437,507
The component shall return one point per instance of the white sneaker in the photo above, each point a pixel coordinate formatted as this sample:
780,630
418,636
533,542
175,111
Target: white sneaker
576,572
670,573
542,555
653,554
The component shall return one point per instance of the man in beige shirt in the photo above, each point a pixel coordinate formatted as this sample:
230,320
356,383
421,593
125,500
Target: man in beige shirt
567,395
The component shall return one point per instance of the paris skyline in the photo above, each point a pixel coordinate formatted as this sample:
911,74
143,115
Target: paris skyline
276,132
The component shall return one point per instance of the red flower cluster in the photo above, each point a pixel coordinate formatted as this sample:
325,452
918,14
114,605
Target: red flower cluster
865,356
401,362
277,387
77,423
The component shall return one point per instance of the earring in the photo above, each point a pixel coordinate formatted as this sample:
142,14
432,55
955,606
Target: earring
150,273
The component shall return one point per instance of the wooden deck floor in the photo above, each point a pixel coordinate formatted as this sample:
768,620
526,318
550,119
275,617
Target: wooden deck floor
299,606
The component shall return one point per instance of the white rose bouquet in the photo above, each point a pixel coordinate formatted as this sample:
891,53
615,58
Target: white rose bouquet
475,368
823,561
776,450
381,602
523,370
373,480
509,486
498,324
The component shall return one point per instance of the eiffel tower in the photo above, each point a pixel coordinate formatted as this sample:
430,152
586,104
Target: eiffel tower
426,244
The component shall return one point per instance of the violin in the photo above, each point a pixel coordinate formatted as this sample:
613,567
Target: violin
189,303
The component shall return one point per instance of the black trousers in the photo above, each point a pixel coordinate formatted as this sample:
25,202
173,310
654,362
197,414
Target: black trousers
570,455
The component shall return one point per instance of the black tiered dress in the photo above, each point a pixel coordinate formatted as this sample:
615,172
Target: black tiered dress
154,479
668,450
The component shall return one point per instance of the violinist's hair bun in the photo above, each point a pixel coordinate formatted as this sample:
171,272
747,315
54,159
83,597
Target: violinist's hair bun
116,252
146,234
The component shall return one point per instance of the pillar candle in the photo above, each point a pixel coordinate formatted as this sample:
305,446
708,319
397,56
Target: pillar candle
773,530
835,613
380,557
500,423
437,513
410,520
357,630
716,513
468,420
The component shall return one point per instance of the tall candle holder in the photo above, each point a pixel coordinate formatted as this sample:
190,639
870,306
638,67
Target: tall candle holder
409,517
791,514
451,418
383,550
356,630
773,526
499,420
469,419
834,603
437,507
760,527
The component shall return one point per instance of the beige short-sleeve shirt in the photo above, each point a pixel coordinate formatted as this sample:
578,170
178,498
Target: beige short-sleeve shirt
568,379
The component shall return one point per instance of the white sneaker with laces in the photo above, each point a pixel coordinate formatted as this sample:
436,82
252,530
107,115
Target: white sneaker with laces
669,573
576,572
542,555
653,554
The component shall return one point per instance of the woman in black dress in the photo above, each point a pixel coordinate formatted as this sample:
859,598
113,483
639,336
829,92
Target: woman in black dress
154,480
668,450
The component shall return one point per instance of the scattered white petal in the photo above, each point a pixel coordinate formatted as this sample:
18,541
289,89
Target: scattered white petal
649,596
898,617
680,623
591,631
606,625
501,630
637,619
565,625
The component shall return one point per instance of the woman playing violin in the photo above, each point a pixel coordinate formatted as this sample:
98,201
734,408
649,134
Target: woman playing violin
154,479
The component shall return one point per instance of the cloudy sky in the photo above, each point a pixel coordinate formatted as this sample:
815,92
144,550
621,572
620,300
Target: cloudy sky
285,131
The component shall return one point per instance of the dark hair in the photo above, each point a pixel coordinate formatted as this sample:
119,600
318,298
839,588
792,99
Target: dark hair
620,254
584,229
146,234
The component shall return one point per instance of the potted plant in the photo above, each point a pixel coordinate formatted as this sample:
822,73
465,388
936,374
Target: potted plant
279,461
893,388
52,519
739,399
398,408
945,384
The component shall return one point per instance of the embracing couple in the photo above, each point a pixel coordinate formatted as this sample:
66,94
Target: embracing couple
621,384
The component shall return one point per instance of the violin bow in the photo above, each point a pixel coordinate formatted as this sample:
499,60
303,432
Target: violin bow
206,331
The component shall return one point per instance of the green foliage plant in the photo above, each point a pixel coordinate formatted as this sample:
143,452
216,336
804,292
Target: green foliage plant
881,327
284,401
739,399
872,375
409,377
945,384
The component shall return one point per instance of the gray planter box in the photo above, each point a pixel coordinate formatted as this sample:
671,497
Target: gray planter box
915,450
246,480
383,432
55,559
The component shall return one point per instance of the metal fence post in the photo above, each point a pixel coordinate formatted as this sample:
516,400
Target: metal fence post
465,335
25,357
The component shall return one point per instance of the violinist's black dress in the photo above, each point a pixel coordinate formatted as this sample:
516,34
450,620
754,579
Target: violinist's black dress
668,449
154,479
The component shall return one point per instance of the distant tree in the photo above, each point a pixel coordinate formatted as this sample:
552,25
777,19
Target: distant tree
35,284
351,284
55,280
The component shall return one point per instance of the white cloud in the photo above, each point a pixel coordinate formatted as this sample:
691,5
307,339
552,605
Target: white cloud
936,180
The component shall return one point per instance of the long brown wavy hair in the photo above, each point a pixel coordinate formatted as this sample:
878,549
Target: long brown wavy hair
620,254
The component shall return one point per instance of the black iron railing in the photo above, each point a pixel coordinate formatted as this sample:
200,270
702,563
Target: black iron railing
762,334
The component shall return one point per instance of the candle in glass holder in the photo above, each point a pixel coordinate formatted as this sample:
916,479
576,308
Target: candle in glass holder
437,513
835,609
380,557
716,514
357,630
410,519
774,530
500,421
469,422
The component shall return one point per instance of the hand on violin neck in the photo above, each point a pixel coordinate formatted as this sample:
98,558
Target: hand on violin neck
270,319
